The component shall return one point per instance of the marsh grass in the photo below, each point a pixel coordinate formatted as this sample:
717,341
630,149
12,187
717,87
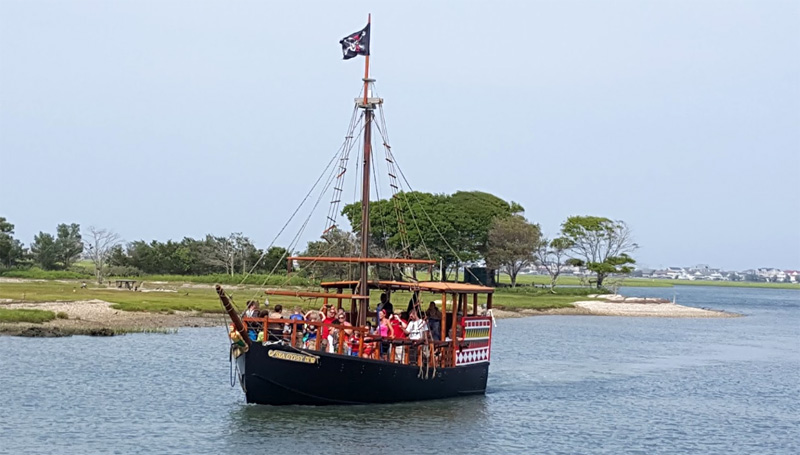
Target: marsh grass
32,316
203,299
36,273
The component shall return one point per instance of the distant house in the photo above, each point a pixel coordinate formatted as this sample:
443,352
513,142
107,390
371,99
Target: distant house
771,274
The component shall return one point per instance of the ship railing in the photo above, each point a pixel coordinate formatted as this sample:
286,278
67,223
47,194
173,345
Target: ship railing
361,342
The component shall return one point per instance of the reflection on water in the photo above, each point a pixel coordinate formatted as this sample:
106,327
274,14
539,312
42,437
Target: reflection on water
560,384
371,426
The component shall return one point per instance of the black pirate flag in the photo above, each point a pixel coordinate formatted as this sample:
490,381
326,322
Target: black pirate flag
355,43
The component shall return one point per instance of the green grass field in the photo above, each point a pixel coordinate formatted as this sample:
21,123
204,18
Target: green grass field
202,298
34,316
206,300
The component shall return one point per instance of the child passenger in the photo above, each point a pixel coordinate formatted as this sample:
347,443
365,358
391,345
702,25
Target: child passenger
297,328
310,332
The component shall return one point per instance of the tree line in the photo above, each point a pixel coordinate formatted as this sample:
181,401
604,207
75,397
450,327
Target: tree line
463,228
232,254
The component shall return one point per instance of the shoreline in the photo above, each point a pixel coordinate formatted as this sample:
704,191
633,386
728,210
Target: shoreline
97,318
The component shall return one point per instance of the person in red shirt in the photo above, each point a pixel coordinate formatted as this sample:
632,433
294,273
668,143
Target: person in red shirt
397,324
330,318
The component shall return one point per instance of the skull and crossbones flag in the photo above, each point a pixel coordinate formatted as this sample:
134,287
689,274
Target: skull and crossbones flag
355,43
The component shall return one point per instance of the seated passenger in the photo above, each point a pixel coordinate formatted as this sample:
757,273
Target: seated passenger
310,331
459,326
434,321
369,347
252,309
298,327
344,335
275,329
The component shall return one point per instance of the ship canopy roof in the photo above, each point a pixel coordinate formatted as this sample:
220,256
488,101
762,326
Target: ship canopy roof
427,286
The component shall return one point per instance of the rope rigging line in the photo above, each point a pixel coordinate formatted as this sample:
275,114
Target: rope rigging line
264,253
336,195
293,244
410,208
395,187
305,224
384,237
344,149
452,250
294,213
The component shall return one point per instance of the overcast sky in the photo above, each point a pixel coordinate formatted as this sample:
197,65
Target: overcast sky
165,119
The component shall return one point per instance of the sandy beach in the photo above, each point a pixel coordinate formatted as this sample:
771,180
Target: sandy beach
96,317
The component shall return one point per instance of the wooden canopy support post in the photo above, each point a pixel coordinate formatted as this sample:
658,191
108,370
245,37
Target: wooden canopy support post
453,322
474,304
443,319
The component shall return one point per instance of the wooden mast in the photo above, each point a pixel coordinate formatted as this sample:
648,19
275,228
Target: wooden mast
364,266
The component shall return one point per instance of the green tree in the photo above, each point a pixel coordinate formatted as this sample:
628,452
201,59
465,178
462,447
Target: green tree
336,243
235,253
511,244
117,257
600,244
69,244
451,228
44,251
11,250
274,259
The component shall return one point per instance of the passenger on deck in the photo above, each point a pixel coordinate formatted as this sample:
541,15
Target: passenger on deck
259,326
459,326
252,309
386,305
298,327
397,326
434,317
369,348
343,335
384,330
416,330
327,337
275,329
416,327
252,312
310,331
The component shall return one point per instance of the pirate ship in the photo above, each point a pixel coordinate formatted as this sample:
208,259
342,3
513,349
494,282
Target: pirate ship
450,362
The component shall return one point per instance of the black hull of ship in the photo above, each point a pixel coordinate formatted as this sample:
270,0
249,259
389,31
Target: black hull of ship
346,380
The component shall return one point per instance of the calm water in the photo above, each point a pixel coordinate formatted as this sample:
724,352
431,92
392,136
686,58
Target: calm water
558,384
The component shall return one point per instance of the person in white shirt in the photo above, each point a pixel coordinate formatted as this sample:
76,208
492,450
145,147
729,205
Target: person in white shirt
415,329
